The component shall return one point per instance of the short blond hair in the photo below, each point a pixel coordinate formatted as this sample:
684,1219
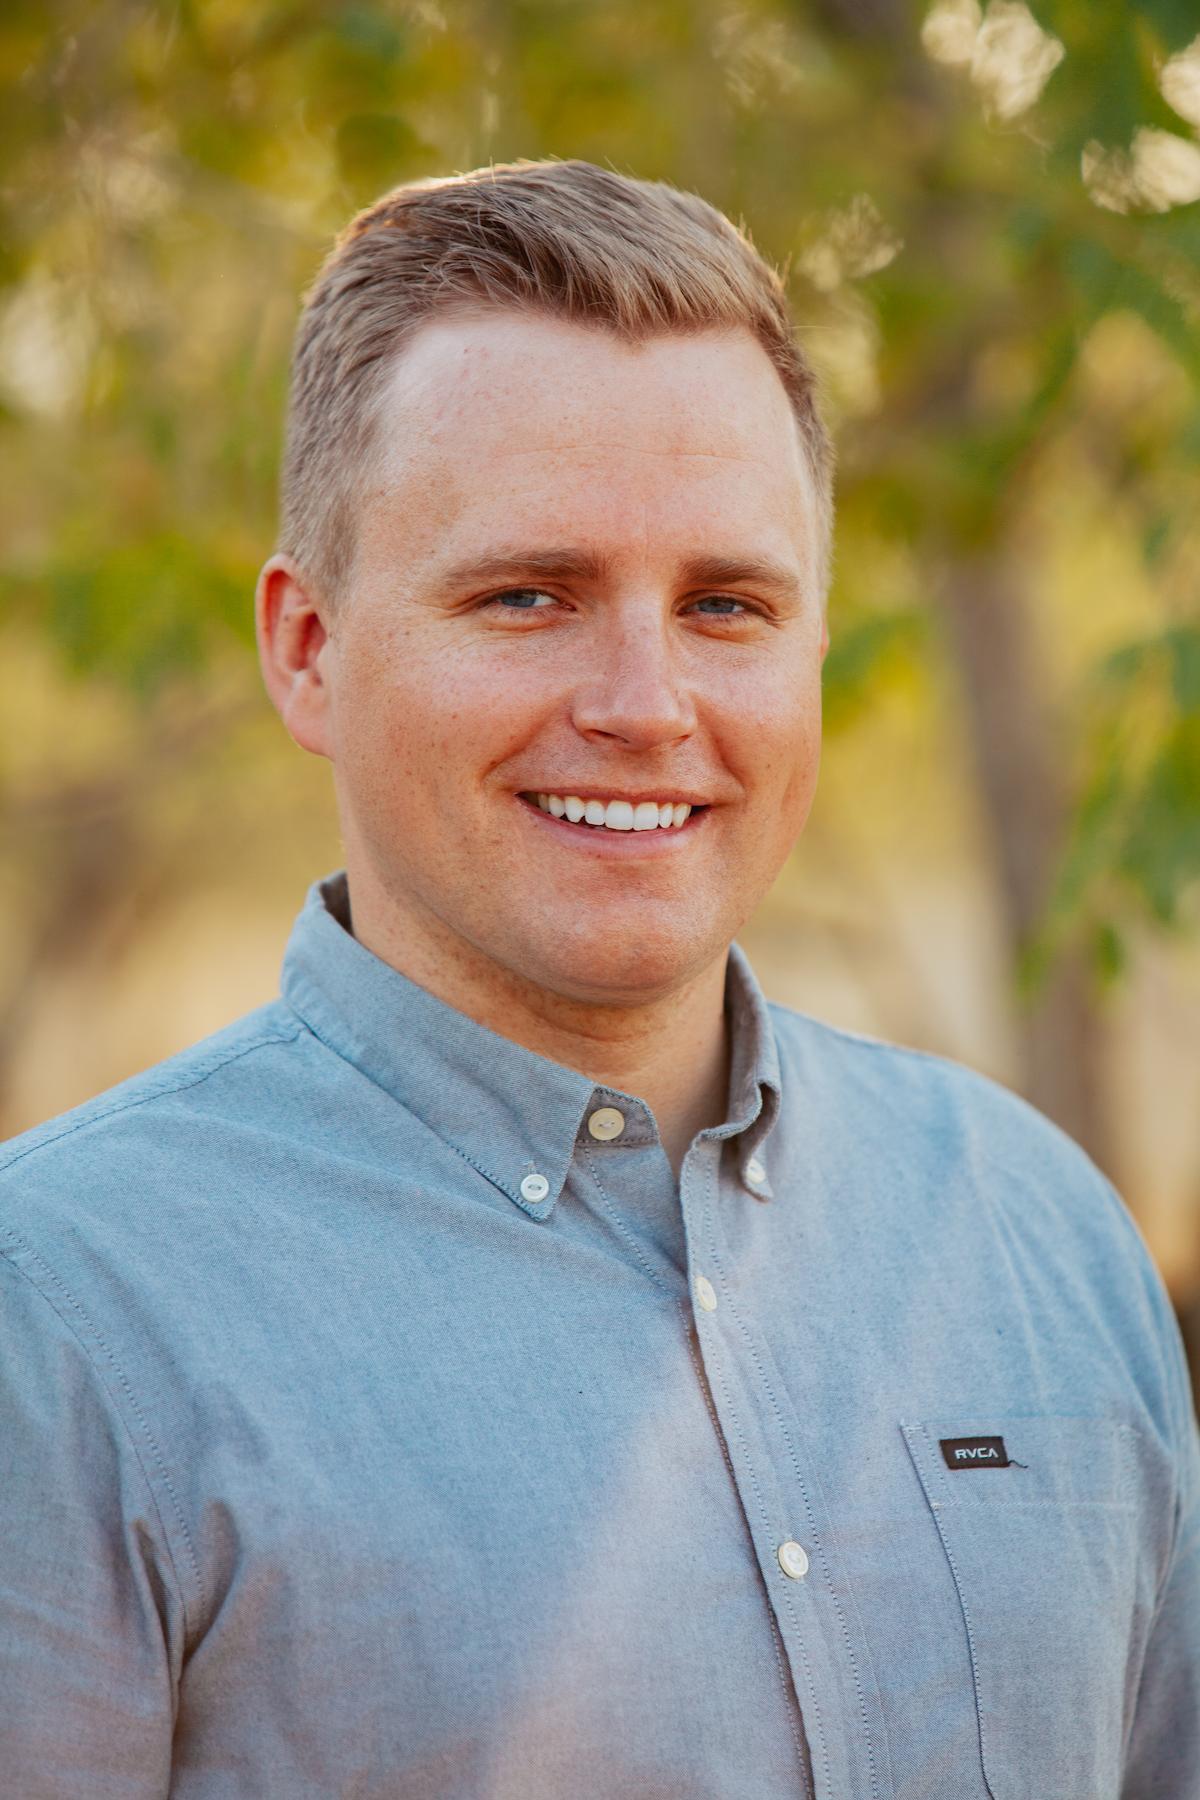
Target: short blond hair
566,239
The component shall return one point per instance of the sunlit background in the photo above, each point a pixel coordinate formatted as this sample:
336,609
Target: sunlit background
990,226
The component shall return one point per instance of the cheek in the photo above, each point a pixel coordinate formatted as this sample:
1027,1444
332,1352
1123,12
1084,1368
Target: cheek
429,721
804,766
777,740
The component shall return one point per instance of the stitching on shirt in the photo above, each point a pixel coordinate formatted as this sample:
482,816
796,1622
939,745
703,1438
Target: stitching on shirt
472,1161
1128,1458
1055,1506
26,1248
1127,1501
1159,1327
766,1525
966,1613
776,1642
153,1091
786,1435
620,1225
787,1599
830,1589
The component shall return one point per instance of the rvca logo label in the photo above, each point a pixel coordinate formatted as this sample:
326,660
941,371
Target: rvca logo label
975,1453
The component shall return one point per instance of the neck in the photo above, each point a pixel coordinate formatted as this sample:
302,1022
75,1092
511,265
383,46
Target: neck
671,1051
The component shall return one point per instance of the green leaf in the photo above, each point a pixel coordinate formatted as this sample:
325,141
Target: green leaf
1184,646
1109,956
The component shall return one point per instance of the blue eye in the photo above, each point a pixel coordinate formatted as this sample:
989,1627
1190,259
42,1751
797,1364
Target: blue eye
520,599
724,602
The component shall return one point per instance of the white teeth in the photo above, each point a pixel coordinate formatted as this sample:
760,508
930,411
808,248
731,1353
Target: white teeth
615,815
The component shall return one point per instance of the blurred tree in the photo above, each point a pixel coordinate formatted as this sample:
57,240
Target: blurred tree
989,224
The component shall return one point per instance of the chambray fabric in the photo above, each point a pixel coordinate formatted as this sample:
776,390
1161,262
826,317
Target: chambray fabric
332,1466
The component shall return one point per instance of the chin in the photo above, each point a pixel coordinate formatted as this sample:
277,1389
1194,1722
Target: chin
622,969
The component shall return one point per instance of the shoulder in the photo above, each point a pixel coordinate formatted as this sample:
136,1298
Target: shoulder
89,1140
984,1168
915,1103
880,1067
945,1135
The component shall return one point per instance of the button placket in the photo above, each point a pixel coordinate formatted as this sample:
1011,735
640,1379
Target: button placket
774,1468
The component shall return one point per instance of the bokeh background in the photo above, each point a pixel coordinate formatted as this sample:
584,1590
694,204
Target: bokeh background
989,222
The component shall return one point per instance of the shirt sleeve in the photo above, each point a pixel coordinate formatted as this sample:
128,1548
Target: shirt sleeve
86,1695
1164,1748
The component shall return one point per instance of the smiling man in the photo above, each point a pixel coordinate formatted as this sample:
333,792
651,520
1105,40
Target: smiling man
572,701
520,1363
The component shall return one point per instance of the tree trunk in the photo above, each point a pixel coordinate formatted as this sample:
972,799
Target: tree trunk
1019,764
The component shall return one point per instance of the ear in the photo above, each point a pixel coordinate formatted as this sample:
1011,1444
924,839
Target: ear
824,636
293,650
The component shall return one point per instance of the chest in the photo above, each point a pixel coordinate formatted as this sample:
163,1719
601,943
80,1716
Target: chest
462,1513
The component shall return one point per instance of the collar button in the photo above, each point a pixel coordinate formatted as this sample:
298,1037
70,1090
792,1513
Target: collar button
606,1123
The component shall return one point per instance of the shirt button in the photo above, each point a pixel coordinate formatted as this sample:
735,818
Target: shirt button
534,1187
793,1560
705,1293
606,1123
755,1172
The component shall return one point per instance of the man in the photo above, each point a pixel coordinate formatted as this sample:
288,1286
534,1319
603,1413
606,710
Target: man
520,1362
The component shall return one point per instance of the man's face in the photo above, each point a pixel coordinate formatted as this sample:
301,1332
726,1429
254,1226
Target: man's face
586,570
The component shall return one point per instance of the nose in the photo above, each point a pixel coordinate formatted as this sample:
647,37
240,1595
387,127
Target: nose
634,694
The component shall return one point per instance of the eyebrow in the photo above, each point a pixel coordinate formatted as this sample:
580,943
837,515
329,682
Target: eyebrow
742,571
566,564
574,564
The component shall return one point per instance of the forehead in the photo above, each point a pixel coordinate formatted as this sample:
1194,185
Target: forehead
507,420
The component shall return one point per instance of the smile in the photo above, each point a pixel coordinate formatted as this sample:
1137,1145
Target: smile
614,815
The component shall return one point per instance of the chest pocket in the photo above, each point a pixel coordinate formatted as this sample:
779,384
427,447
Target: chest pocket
1044,1554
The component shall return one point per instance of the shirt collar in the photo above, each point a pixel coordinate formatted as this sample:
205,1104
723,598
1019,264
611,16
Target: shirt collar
509,1112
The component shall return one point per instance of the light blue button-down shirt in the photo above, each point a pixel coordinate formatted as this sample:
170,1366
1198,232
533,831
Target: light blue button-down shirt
371,1427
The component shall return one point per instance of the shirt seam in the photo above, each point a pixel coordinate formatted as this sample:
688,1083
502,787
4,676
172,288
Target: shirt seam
1159,1598
1168,1364
157,1092
972,1648
21,1247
